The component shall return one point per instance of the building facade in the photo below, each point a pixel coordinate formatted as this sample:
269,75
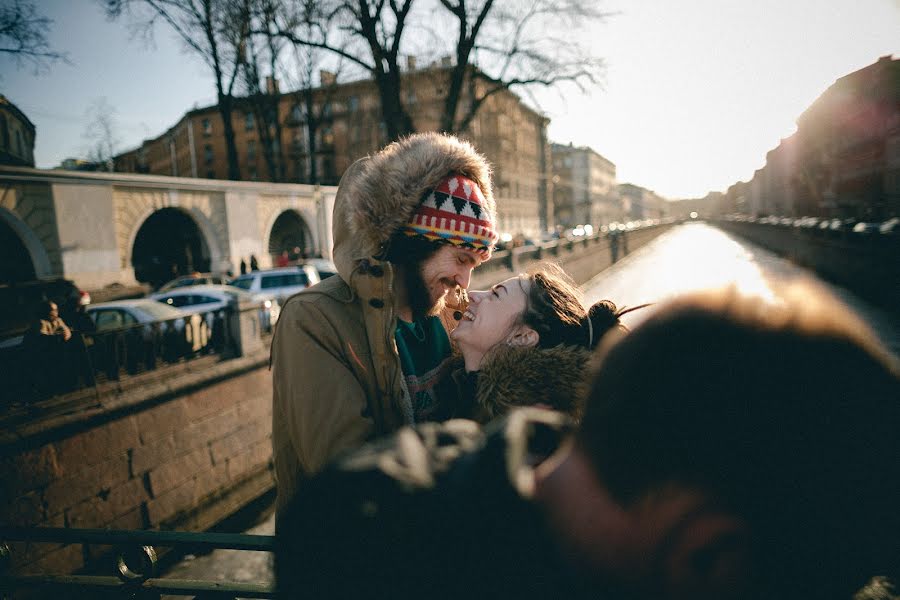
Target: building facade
639,203
844,159
17,135
584,187
323,130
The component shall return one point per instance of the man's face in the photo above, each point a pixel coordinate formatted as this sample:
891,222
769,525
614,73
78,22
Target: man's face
54,311
440,274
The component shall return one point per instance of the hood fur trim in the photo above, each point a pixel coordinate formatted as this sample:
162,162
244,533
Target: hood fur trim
514,377
392,183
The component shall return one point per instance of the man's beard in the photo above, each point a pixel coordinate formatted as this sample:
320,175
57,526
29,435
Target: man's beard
420,302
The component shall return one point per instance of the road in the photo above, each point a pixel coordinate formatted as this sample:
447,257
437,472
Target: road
689,257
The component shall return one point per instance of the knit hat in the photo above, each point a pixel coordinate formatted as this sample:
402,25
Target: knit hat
453,212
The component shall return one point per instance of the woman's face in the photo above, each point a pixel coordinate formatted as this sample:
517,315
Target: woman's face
491,317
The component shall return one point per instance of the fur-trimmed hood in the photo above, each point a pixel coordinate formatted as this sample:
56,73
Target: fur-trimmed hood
378,194
513,377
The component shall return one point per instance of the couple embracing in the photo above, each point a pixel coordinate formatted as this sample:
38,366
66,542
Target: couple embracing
396,340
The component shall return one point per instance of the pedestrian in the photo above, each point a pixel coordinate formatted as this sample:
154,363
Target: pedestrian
362,354
527,341
283,259
613,237
243,266
254,264
702,469
45,345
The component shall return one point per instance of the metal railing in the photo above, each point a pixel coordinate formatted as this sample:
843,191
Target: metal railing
135,563
47,366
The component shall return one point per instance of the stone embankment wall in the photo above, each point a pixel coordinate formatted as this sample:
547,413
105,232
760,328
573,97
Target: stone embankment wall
866,263
183,451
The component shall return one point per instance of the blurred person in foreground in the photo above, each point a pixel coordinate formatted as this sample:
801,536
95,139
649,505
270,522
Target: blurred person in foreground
730,448
363,354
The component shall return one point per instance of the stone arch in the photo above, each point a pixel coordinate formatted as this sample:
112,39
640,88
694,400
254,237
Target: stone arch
288,229
40,260
199,249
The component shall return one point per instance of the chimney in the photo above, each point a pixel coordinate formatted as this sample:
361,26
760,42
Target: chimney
326,78
447,61
410,63
271,85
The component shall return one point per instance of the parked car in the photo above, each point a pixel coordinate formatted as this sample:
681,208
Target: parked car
279,283
323,266
177,334
19,301
123,313
208,299
195,279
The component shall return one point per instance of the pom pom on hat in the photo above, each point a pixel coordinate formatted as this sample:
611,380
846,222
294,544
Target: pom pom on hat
453,212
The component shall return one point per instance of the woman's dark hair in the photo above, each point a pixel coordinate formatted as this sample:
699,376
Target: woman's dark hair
555,311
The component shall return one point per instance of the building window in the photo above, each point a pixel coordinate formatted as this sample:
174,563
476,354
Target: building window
298,113
410,97
352,104
207,127
249,122
208,153
254,175
4,131
251,150
210,174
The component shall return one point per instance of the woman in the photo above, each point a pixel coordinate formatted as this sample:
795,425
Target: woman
526,341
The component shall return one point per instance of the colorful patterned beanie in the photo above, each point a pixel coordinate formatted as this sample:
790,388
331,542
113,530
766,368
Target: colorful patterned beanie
453,212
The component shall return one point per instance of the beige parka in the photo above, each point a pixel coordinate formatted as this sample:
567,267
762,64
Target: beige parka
336,372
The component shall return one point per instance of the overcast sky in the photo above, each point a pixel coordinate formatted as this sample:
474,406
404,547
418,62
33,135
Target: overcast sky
696,91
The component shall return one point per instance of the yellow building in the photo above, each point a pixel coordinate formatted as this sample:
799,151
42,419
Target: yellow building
347,126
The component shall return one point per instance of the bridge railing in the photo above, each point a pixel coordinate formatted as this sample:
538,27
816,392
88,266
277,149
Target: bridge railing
134,565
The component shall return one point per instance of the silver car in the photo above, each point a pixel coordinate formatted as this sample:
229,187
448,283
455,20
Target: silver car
212,299
280,283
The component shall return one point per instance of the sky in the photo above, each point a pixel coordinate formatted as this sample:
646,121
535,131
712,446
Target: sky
695,91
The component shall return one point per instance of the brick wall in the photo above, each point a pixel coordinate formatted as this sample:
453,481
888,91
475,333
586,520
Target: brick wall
186,462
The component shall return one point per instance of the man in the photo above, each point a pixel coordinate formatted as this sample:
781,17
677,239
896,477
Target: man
729,449
360,355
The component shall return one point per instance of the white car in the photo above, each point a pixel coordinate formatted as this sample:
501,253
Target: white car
323,266
125,315
210,299
280,283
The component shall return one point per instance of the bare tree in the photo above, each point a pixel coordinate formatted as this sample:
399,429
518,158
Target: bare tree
102,134
365,33
263,94
517,43
215,30
23,35
497,46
